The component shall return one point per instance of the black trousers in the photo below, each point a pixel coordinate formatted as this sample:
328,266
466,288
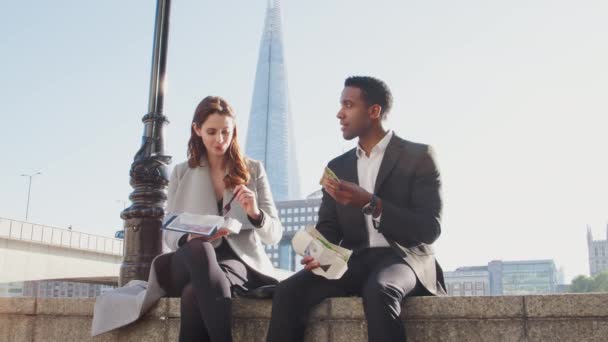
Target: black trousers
378,275
204,278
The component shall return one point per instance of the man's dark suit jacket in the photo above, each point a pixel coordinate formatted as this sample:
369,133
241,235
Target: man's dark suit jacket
409,185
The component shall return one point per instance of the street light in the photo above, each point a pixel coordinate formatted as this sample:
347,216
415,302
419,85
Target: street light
149,173
29,191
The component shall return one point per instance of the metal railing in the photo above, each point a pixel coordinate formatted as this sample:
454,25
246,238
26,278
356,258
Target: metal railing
31,232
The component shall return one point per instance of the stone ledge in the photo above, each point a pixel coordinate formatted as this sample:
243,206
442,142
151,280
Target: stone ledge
581,317
18,306
464,307
569,305
499,307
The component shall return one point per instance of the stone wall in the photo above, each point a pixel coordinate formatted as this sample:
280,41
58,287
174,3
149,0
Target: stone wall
572,317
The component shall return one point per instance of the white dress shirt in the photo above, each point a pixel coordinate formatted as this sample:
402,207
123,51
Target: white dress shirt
367,169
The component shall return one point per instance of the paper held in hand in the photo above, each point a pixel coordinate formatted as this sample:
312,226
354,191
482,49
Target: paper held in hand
328,174
333,259
204,225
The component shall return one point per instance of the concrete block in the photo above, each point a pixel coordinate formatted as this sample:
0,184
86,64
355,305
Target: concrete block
173,307
173,330
251,308
16,328
463,307
345,308
348,331
17,305
249,330
146,329
65,306
567,305
478,330
67,329
570,329
317,332
160,309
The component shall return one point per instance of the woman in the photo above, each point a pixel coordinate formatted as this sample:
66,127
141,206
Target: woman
205,272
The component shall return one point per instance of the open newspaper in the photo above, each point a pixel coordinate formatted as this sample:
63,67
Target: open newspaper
204,225
333,259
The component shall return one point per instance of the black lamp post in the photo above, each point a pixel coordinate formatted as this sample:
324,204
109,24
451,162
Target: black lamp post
149,176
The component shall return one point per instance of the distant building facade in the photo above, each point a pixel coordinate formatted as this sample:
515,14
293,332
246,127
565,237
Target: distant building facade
294,215
597,253
468,281
53,289
500,278
525,276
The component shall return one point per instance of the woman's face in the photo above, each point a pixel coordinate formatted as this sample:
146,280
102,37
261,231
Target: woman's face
216,132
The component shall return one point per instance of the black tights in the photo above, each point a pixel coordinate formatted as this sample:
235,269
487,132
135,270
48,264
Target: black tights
198,274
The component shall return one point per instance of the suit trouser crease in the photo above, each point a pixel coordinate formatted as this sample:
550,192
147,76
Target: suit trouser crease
378,275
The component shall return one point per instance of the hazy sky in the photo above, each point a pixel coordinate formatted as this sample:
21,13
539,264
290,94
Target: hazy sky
512,95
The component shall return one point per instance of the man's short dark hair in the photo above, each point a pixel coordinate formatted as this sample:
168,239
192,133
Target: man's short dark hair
374,91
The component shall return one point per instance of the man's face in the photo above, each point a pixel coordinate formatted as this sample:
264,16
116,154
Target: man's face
354,113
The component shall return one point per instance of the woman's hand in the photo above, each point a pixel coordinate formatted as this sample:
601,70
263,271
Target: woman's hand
247,200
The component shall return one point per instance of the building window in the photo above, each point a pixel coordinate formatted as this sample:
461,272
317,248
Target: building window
285,256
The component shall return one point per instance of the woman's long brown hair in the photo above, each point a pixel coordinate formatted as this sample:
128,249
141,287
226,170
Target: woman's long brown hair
235,162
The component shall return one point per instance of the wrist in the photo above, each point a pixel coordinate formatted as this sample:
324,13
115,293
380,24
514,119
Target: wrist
368,199
378,211
370,207
255,214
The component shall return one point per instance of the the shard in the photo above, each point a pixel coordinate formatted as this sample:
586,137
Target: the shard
270,137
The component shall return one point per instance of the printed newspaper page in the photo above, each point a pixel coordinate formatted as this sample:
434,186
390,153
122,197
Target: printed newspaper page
333,259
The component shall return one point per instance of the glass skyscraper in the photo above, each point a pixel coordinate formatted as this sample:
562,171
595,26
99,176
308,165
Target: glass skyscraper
270,136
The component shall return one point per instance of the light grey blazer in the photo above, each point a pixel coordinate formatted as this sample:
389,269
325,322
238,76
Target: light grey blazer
191,190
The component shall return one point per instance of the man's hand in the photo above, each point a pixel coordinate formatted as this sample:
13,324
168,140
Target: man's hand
221,232
347,193
309,263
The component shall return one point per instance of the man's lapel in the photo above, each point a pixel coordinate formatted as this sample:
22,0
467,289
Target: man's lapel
350,172
391,156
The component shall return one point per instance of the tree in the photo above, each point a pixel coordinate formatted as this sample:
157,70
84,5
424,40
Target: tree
583,284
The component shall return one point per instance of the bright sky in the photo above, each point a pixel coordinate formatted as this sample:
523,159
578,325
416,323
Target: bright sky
512,95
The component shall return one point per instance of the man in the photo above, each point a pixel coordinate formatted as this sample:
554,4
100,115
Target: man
386,207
